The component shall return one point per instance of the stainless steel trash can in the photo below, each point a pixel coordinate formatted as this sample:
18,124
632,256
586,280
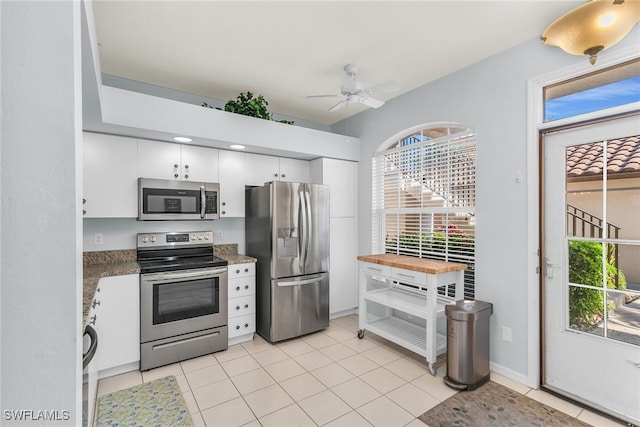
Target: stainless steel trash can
467,344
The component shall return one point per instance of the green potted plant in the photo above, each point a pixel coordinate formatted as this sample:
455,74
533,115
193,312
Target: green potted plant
248,105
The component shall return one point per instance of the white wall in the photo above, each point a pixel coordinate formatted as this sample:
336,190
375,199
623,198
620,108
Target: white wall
490,96
41,215
120,233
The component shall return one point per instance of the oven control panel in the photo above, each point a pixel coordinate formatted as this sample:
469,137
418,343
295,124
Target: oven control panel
175,239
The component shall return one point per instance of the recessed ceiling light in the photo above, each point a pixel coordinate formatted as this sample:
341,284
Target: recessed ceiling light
182,139
237,147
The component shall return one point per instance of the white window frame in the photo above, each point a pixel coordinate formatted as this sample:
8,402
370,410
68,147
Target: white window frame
380,212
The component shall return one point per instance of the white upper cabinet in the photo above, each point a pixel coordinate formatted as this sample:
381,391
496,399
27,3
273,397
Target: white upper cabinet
260,169
341,177
231,168
110,172
165,160
199,163
293,170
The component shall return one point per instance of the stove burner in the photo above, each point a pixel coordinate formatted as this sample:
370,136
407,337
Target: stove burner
176,251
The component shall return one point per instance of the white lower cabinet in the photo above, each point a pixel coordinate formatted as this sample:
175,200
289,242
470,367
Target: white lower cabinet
119,331
242,302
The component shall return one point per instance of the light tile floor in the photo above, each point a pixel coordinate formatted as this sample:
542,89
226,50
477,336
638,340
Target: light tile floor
328,378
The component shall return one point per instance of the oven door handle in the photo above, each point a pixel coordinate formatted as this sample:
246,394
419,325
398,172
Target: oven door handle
182,276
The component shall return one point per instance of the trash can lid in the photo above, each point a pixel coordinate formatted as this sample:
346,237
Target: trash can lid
466,309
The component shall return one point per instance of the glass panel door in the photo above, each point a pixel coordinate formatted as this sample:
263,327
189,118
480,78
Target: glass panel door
591,280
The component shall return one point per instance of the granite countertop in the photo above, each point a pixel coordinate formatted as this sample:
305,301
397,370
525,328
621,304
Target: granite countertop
423,265
99,264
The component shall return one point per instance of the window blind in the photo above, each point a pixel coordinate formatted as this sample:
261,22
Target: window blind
424,198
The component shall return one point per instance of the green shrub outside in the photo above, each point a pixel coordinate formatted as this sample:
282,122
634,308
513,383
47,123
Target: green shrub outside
586,306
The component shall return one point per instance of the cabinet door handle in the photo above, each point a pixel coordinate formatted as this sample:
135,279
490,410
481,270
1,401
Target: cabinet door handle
93,319
94,303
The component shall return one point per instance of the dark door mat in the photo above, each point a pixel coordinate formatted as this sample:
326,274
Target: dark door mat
495,405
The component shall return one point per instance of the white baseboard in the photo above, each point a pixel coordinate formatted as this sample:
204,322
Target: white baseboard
343,313
509,373
117,370
240,339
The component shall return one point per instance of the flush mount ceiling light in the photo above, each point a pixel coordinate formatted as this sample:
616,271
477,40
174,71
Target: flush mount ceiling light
593,27
182,139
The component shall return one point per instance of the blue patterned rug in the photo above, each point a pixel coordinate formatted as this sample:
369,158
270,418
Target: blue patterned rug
156,403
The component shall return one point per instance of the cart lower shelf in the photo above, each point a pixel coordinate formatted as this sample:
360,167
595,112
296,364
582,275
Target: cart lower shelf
405,334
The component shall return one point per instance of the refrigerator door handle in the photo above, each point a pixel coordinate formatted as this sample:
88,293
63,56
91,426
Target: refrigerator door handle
302,235
308,225
296,282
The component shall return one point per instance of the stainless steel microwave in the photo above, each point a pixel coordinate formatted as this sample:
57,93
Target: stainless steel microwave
164,200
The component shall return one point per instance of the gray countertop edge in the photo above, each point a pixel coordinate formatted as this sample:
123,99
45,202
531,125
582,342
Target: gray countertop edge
92,273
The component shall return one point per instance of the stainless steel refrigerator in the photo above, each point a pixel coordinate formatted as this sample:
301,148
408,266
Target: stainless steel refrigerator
287,230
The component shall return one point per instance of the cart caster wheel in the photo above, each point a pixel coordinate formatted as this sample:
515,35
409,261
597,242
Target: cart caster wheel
432,369
361,333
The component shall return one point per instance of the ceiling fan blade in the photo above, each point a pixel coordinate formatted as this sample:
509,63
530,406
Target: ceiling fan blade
321,96
371,102
338,106
384,88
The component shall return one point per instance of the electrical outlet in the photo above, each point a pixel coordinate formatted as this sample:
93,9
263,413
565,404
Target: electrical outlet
98,239
218,235
506,334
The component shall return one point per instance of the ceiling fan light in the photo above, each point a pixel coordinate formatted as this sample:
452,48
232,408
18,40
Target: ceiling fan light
592,27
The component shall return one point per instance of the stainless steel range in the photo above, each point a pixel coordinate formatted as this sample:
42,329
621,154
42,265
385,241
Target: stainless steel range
183,297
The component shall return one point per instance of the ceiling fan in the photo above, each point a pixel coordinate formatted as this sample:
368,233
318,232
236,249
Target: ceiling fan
352,91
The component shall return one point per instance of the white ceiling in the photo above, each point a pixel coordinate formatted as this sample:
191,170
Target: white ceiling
286,50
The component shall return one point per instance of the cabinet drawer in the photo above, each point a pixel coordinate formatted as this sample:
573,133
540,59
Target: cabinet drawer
242,306
402,275
242,325
241,270
242,287
383,270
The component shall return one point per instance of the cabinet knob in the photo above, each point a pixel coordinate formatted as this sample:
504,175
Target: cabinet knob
94,303
237,307
275,174
175,166
283,175
84,212
176,175
186,176
237,271
237,288
246,270
93,319
246,286
246,325
246,306
186,166
224,203
84,201
238,327
224,212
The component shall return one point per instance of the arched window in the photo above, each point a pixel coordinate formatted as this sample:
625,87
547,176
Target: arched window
424,195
